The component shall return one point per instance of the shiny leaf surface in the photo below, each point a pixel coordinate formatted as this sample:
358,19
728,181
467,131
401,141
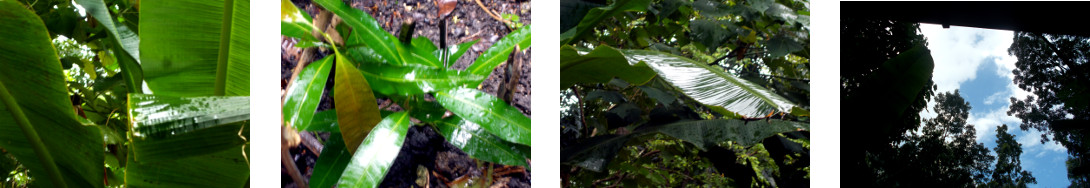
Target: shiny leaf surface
482,145
499,52
599,66
490,112
375,155
407,81
367,31
303,97
32,72
357,109
456,51
167,128
722,92
331,164
325,121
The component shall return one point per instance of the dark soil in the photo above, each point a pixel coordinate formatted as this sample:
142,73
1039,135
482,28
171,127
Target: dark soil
425,151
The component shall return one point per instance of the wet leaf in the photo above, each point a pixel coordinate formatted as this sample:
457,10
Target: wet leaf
499,52
599,66
331,164
324,121
377,153
408,81
168,128
357,109
367,31
456,51
31,72
423,52
490,112
305,93
482,145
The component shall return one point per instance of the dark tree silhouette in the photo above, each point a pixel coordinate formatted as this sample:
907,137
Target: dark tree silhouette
944,153
1008,168
1055,69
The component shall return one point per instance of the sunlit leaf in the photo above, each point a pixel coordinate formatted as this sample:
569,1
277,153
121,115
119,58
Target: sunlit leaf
499,52
301,100
168,128
377,153
407,81
482,145
490,112
357,109
31,72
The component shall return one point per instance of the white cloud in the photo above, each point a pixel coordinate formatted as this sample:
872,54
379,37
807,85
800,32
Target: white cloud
997,97
958,51
1031,143
987,123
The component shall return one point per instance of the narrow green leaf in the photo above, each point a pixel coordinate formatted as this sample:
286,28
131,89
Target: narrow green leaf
722,92
599,66
423,52
226,168
167,128
324,121
294,22
303,97
331,164
32,72
482,145
368,31
456,51
408,81
596,15
357,109
488,111
499,52
377,153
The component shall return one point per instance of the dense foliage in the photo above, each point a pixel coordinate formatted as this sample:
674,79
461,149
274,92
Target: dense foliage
684,93
77,112
1055,69
368,64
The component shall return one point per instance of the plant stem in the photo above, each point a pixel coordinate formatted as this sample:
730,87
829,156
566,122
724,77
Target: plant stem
225,49
32,136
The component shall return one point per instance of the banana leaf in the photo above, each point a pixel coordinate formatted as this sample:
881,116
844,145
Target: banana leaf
56,148
179,53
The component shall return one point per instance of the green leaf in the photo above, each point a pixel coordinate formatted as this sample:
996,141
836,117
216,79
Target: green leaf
408,81
781,45
595,153
499,52
596,15
482,145
226,168
357,109
911,71
324,121
722,92
303,97
335,158
168,128
425,111
377,153
706,133
32,72
125,42
456,51
710,33
179,52
294,22
367,31
599,66
488,111
424,51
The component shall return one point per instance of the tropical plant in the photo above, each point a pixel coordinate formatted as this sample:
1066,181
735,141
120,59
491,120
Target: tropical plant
95,124
683,93
372,64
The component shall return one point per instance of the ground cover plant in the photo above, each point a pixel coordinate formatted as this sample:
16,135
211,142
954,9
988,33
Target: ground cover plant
419,90
684,93
118,93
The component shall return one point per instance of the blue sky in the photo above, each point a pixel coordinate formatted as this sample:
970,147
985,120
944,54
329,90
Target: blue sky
976,62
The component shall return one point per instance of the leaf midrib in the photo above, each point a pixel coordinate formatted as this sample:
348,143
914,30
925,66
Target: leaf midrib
482,108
